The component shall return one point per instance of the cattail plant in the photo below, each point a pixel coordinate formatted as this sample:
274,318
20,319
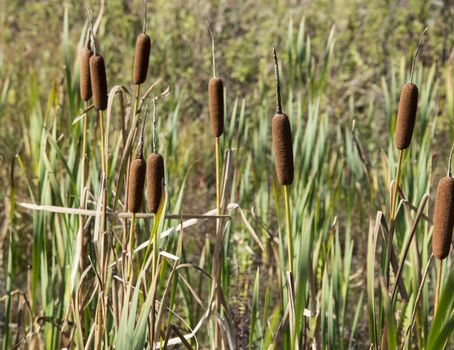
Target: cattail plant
155,181
140,69
443,223
85,94
406,116
216,111
283,156
136,182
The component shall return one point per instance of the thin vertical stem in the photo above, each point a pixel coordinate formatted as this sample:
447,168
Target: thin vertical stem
396,185
145,19
218,177
101,126
217,337
213,56
278,83
393,216
417,51
437,286
82,185
134,112
155,247
288,229
130,244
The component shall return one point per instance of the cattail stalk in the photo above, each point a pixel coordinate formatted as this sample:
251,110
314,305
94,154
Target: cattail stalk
288,229
130,244
216,110
284,158
134,121
403,135
437,286
101,128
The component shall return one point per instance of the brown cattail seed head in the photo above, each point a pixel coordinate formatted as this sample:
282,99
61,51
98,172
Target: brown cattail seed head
98,82
155,179
141,58
85,84
282,145
406,115
136,182
216,105
443,218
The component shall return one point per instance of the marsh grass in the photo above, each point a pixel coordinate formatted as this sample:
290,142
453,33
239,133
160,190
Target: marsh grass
343,173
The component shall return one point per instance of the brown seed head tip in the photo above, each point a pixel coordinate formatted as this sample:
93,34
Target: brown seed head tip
282,145
136,183
216,105
85,84
98,82
406,115
155,178
141,58
443,218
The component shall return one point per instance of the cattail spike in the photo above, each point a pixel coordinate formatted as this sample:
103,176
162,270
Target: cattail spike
216,105
155,181
443,218
282,145
278,83
141,58
98,82
85,84
406,116
136,183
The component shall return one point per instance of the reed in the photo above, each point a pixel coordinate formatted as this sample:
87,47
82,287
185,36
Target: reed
283,156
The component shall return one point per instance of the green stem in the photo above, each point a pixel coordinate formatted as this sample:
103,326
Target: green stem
288,229
396,185
101,126
437,286
130,243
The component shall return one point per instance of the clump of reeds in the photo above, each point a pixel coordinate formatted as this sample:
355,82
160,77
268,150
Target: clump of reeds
85,84
98,81
141,58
